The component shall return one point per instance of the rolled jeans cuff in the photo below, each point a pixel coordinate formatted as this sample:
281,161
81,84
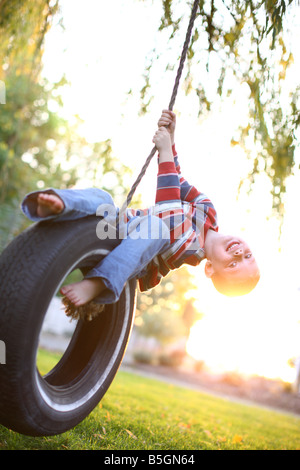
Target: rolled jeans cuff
78,203
108,295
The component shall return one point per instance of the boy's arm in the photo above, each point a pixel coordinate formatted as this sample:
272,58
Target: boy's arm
168,120
168,185
173,189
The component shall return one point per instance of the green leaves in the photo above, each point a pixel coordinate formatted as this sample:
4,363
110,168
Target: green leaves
38,147
247,42
275,11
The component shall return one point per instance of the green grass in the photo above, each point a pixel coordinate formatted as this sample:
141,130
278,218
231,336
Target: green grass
139,413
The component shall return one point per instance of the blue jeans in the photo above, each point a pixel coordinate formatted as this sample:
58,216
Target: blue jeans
143,237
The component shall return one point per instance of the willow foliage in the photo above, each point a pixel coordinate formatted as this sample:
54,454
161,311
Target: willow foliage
251,43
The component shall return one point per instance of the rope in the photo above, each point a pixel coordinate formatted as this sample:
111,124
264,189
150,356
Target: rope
171,104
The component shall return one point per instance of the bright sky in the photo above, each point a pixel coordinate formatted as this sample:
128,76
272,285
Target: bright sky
103,52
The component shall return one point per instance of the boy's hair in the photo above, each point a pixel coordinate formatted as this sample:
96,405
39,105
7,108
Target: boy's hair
235,289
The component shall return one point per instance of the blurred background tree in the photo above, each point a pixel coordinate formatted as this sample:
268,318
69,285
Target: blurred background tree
166,313
239,44
38,147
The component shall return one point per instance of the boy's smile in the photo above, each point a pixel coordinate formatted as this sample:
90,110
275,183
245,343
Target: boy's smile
232,245
230,263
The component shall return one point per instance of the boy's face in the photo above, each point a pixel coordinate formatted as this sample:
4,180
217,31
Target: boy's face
231,265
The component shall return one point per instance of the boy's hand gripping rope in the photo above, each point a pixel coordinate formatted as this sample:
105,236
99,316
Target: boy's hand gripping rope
171,104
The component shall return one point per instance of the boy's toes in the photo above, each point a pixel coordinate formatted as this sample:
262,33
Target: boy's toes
73,297
49,204
67,289
51,201
63,290
44,199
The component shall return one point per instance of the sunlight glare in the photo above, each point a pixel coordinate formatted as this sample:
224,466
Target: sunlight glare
253,335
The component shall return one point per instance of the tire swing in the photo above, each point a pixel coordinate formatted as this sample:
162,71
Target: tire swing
32,269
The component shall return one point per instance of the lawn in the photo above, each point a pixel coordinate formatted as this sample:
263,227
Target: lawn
140,413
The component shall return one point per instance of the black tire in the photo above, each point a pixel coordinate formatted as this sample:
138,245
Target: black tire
32,268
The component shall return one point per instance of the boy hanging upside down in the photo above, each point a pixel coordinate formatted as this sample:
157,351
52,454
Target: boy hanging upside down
180,229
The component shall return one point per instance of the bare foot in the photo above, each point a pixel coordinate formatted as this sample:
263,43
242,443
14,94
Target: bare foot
49,204
82,292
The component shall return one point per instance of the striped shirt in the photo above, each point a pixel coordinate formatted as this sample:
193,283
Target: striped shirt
188,213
